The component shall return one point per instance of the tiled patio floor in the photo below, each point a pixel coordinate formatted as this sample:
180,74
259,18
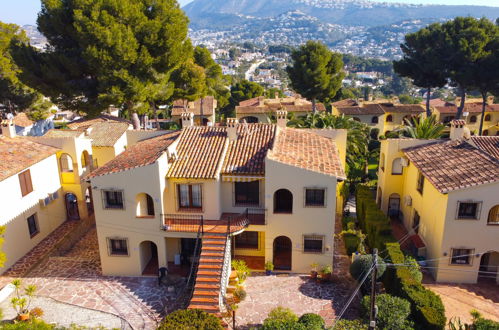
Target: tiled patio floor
75,278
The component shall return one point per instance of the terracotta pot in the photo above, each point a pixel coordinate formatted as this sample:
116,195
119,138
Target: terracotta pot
23,317
313,274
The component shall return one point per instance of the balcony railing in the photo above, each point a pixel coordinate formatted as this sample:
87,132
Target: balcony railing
182,222
257,216
230,222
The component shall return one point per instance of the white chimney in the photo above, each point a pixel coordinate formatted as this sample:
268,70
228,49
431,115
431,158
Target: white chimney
8,128
187,119
232,129
282,118
458,129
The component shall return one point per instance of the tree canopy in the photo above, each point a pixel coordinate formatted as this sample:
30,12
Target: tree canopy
316,72
104,52
216,82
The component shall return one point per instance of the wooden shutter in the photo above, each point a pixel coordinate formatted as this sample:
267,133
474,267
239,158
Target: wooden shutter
25,182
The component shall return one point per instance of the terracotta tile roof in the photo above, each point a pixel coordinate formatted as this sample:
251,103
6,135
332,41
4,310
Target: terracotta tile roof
345,103
63,133
252,102
402,108
436,103
83,123
22,120
199,153
454,165
307,150
246,155
141,154
20,153
209,105
468,107
365,109
274,107
489,144
105,134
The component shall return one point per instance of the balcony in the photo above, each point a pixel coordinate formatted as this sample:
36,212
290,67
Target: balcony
192,223
256,216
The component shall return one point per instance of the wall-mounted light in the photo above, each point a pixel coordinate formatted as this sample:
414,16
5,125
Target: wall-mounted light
445,254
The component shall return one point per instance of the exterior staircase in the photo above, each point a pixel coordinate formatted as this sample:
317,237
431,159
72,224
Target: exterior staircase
209,283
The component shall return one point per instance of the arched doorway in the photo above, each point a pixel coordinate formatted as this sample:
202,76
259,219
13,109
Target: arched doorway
149,258
89,201
394,205
282,253
489,267
72,207
283,201
85,159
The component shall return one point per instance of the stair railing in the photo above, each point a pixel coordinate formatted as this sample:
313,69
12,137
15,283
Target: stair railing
188,291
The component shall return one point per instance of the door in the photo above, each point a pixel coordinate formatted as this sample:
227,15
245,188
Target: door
393,206
282,253
72,207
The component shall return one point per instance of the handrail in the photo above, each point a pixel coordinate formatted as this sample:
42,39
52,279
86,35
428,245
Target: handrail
188,290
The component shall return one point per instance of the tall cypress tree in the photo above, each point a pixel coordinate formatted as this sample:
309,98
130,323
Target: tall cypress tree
316,72
104,52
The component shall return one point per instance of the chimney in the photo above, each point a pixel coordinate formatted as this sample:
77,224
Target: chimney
282,118
187,119
490,100
8,128
458,130
232,129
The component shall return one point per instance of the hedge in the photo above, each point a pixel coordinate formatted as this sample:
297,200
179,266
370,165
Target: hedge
351,243
427,309
372,220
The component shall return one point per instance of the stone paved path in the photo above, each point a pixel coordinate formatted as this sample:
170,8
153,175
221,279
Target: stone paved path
297,292
75,278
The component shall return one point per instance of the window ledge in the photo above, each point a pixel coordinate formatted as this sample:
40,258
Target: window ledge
145,216
119,255
282,212
315,206
34,235
191,209
312,252
467,218
492,223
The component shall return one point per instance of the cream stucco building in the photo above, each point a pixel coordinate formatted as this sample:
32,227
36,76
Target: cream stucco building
258,192
445,193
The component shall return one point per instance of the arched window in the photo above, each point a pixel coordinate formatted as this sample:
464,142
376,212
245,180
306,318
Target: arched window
374,120
66,163
487,117
145,205
356,118
493,218
85,159
473,119
283,201
485,132
389,118
382,161
397,167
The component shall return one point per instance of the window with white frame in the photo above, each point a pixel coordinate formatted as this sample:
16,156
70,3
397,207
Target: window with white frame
461,256
315,197
313,244
468,210
113,199
117,246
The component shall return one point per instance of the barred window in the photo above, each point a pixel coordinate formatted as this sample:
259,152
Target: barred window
313,244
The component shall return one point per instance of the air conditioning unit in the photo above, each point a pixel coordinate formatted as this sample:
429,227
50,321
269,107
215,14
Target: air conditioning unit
408,200
45,201
404,162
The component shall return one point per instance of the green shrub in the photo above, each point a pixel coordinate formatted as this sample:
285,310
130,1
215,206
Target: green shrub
281,318
349,325
312,321
427,309
361,266
351,243
484,324
240,293
242,270
393,312
190,319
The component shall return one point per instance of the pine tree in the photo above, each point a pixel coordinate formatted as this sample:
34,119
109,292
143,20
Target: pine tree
104,52
316,72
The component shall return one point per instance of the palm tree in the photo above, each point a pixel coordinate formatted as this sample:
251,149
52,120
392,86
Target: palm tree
357,137
422,128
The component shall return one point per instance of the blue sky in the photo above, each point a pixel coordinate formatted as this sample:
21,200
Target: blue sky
24,11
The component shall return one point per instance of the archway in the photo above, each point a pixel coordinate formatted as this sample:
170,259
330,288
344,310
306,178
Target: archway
489,267
85,159
66,162
283,201
249,119
394,205
144,206
149,258
397,167
72,207
205,121
89,201
282,253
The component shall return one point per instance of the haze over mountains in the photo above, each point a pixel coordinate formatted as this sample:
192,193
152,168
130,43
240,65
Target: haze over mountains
342,24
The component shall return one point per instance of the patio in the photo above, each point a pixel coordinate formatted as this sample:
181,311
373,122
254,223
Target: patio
75,278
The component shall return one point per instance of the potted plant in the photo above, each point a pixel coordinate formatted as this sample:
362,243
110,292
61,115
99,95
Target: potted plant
242,270
21,302
326,273
269,267
313,271
239,294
